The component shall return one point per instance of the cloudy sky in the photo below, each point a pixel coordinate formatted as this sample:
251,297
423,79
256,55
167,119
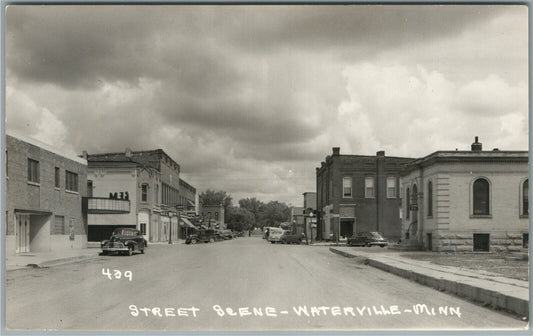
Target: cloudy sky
250,99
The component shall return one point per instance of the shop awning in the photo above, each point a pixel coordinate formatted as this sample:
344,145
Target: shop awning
187,223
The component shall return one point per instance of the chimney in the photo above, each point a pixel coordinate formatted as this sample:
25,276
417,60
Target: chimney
128,152
476,146
322,164
84,154
380,154
336,151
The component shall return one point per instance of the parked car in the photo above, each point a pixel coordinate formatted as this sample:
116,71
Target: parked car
226,234
288,238
204,236
124,241
367,239
274,234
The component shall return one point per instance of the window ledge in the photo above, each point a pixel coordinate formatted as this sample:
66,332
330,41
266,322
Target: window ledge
71,192
524,216
56,188
481,216
34,184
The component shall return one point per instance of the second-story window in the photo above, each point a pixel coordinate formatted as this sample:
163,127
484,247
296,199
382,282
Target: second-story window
144,192
156,193
346,187
33,171
525,198
391,187
57,179
71,181
430,199
369,187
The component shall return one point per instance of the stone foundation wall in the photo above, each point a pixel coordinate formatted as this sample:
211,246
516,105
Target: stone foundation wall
464,242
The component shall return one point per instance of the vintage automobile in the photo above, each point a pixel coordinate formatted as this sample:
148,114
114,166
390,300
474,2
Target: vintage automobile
226,234
288,238
204,236
367,239
124,241
274,234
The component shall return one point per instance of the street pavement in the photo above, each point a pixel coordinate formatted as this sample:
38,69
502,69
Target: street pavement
239,284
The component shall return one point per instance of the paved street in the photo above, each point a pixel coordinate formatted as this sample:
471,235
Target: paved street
266,287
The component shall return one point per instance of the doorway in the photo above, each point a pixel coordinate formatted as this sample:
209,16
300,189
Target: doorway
22,233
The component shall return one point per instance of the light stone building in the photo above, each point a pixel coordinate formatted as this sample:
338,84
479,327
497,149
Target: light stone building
467,201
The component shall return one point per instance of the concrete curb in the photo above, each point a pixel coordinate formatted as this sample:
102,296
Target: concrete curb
63,261
487,297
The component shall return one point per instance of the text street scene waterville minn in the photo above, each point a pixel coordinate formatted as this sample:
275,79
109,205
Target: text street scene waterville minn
266,167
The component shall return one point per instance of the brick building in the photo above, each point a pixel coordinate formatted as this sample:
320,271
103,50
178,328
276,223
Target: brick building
358,193
464,201
44,190
148,180
213,216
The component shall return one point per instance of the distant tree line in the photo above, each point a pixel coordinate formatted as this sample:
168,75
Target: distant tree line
251,212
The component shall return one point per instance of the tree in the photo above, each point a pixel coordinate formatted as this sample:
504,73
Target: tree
239,219
274,213
254,206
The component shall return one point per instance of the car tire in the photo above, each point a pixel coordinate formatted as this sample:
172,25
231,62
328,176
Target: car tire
142,251
130,250
194,241
211,240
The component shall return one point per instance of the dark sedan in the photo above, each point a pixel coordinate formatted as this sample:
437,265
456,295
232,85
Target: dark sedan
288,238
367,239
124,241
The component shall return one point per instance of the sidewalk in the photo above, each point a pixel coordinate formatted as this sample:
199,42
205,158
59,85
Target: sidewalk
489,289
47,259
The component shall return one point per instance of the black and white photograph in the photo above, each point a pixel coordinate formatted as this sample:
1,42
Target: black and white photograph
265,168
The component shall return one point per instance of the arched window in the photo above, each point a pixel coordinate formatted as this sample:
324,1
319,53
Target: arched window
481,197
430,199
408,203
525,198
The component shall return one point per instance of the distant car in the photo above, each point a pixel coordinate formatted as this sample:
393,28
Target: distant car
288,238
367,239
124,241
203,236
226,234
274,234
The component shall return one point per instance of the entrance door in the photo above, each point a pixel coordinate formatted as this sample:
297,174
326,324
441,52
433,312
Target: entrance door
23,233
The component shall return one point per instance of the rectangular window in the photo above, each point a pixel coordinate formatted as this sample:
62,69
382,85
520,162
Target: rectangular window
59,225
57,183
144,193
143,229
347,187
33,171
481,242
369,187
71,181
391,187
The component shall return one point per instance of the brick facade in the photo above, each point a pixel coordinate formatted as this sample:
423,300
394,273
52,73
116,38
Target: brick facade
43,215
356,210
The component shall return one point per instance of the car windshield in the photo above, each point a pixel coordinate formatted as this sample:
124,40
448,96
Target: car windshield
125,232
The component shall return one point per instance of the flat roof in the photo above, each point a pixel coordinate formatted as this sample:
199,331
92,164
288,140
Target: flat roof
45,146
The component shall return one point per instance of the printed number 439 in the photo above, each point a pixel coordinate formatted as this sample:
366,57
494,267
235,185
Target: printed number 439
116,274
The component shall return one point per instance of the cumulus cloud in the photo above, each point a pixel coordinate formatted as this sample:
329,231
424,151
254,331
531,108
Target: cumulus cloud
250,99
